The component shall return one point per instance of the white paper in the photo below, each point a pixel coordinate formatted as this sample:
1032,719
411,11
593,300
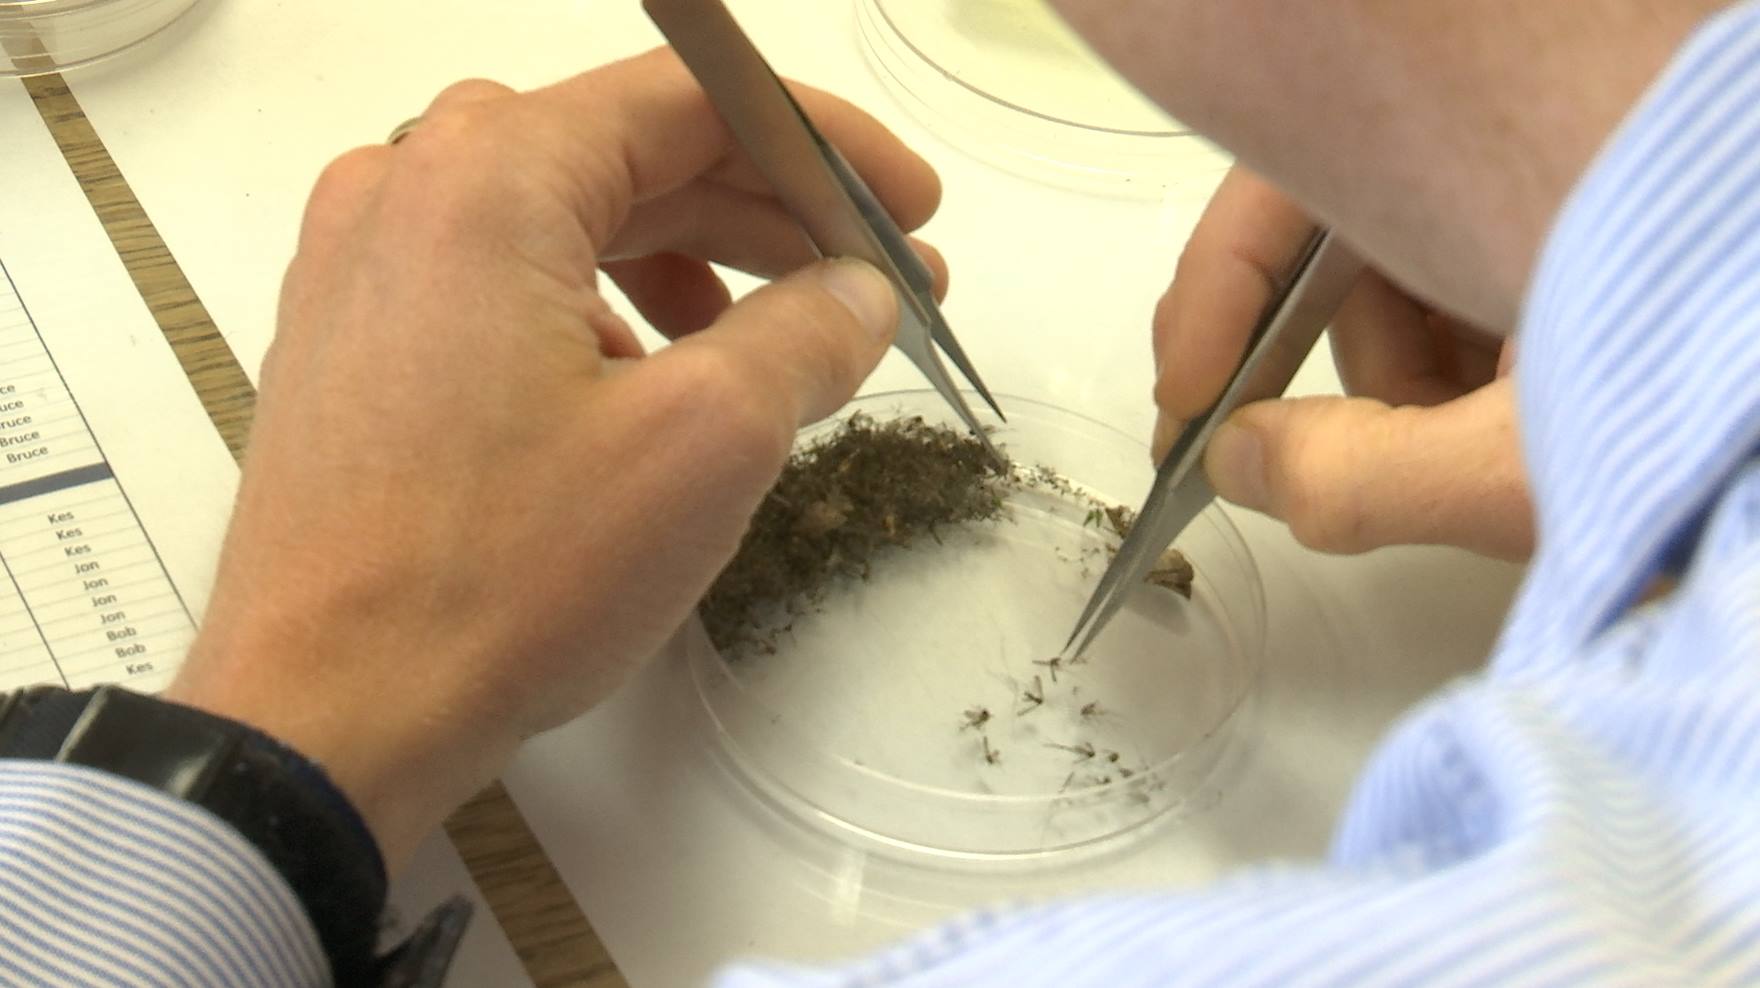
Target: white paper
115,558
114,485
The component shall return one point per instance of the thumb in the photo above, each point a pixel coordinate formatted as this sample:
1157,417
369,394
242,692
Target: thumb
793,351
1353,474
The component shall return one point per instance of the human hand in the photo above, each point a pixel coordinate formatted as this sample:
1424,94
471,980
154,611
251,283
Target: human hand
1425,452
463,519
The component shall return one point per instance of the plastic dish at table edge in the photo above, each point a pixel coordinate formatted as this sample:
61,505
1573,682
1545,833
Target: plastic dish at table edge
42,36
1007,82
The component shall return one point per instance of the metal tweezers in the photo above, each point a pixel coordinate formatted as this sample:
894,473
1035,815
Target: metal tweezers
839,212
1287,330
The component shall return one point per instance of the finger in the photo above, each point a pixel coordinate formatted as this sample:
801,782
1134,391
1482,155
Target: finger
742,230
789,353
699,431
654,131
905,184
1386,348
1352,474
616,340
1473,354
1506,357
466,92
678,295
937,266
694,435
736,229
1245,241
341,194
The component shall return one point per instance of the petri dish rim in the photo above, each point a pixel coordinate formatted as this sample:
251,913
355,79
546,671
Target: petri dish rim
903,37
711,673
104,34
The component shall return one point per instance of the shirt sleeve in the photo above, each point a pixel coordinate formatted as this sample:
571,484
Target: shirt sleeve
106,882
1588,811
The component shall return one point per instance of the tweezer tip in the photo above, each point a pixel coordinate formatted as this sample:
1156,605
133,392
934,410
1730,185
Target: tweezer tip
1087,640
1086,625
972,378
1001,461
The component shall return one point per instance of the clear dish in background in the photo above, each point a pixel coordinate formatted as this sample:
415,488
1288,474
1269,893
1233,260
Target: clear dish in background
857,724
1008,82
42,36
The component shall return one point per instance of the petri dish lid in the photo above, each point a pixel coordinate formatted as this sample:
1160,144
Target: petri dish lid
42,36
1008,82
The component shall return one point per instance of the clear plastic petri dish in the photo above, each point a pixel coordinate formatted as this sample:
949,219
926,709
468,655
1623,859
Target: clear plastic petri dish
1008,82
41,36
917,714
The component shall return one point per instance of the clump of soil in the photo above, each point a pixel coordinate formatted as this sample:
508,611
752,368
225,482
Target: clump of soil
866,488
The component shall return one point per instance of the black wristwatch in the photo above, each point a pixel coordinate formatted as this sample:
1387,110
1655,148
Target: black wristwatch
273,796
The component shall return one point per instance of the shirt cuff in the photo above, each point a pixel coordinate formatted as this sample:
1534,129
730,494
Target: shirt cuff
104,881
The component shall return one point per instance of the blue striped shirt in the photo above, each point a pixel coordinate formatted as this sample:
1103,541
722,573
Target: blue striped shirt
1586,812
104,881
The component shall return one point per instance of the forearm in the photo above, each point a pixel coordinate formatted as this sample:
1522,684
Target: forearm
1383,117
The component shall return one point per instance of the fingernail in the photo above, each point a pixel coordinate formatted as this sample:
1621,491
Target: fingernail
1236,464
1166,430
865,292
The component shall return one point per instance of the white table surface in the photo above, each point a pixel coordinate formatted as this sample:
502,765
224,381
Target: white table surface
221,130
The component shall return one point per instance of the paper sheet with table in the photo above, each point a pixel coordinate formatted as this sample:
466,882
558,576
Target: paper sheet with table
86,598
114,485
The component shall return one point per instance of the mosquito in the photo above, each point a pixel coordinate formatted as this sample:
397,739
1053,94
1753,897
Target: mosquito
991,755
976,718
1083,751
1033,697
